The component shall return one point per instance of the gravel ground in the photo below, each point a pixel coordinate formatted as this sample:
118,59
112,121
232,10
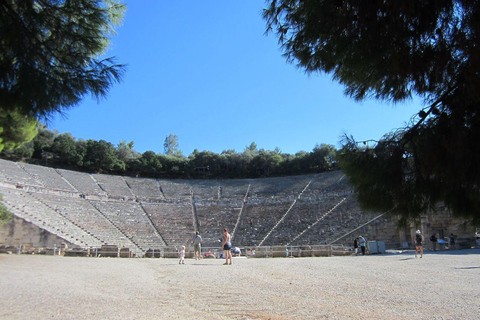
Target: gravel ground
442,285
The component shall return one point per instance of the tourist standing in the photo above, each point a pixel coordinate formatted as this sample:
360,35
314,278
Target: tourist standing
418,243
355,246
363,244
433,239
227,247
197,245
452,241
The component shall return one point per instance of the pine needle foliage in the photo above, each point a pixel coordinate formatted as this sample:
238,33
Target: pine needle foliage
391,50
50,57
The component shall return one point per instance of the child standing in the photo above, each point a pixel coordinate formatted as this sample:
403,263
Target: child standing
181,254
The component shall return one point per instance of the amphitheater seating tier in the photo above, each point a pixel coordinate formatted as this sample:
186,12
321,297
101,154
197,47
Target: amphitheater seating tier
206,189
292,186
95,209
30,207
173,220
346,217
145,188
48,177
82,182
265,188
86,216
327,182
302,215
131,220
176,189
234,189
14,173
114,186
213,217
259,217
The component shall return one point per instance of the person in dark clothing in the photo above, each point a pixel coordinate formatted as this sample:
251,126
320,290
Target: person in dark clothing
418,243
433,239
355,246
452,242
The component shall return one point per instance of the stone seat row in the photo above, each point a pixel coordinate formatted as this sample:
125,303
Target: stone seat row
162,189
276,208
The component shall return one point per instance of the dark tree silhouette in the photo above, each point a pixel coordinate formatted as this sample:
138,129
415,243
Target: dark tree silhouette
391,50
49,54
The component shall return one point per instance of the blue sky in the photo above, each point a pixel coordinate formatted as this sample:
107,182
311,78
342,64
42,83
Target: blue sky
205,71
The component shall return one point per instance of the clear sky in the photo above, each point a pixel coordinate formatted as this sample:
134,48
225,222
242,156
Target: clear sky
206,71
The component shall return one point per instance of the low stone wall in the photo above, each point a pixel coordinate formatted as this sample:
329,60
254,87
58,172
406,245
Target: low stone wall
20,232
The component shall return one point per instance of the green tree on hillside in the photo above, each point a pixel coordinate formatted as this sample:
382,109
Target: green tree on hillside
170,146
175,166
265,163
65,149
298,163
207,163
34,150
251,149
147,165
322,157
250,152
43,141
16,129
236,164
125,151
391,50
52,149
101,156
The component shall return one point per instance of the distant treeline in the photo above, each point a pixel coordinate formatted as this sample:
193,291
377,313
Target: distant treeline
63,150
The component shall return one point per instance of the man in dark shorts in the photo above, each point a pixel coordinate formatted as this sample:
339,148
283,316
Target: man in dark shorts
227,246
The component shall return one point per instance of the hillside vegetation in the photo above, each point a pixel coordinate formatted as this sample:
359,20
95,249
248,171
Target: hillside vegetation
63,150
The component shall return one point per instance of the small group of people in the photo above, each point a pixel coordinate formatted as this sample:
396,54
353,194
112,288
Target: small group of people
361,243
197,247
434,240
